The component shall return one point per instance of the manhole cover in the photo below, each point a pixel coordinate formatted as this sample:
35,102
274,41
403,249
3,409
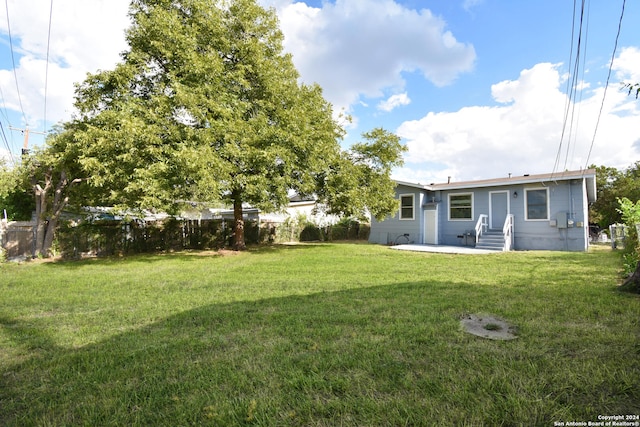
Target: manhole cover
488,327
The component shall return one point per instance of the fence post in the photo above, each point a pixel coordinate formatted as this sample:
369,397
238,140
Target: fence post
3,227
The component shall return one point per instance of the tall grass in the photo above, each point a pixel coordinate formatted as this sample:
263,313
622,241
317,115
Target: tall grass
328,334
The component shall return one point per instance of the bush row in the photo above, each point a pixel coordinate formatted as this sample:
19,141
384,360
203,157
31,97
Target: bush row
107,238
302,230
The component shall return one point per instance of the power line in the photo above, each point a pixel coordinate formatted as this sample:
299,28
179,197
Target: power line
13,61
571,83
6,143
577,100
606,86
46,73
4,103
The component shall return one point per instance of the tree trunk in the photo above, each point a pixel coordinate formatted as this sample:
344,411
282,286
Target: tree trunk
238,223
632,284
47,221
41,213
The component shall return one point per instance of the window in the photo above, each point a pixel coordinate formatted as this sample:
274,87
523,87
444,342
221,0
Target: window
461,206
406,206
537,204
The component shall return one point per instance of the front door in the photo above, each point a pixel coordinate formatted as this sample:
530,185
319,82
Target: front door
499,209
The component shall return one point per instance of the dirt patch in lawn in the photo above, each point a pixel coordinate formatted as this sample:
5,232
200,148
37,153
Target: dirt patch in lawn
488,327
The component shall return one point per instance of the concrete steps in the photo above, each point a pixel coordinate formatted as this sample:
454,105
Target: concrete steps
492,240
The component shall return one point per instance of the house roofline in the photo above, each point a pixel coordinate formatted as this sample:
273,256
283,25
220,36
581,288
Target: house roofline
588,174
412,184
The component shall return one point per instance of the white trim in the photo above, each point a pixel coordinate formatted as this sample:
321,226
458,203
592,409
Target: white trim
526,204
467,193
413,206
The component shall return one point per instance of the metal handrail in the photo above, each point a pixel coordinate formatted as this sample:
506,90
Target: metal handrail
481,226
507,232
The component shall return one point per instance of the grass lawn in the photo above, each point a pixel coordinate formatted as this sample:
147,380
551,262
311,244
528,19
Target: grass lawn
322,335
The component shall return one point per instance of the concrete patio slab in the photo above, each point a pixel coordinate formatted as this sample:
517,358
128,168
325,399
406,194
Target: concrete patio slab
444,249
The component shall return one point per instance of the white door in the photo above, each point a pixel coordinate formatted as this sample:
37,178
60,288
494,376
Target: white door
499,209
431,227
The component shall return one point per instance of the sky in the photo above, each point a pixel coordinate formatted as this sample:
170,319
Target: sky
476,89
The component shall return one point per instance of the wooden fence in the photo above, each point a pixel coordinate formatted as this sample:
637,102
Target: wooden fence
107,238
17,239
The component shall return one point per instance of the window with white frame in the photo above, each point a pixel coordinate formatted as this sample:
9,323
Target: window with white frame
537,200
407,202
461,207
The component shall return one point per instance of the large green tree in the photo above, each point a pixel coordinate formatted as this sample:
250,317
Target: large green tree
205,106
612,185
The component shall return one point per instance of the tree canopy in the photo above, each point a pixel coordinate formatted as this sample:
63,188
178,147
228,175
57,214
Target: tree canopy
16,200
205,106
613,184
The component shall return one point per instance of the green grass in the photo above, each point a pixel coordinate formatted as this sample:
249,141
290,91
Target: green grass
323,335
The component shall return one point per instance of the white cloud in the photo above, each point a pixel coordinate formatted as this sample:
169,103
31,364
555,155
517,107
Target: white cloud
627,65
523,135
356,48
394,101
352,48
85,36
469,4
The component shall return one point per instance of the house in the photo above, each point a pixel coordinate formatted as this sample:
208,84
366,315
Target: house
248,214
302,207
530,212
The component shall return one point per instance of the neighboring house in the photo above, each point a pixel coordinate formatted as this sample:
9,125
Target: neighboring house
530,212
302,208
248,214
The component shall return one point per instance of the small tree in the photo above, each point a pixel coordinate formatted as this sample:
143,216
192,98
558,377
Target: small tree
54,177
359,183
633,87
631,213
15,199
631,216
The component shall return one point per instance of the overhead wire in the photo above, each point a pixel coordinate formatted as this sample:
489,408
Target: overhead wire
46,73
571,82
6,144
575,118
6,119
13,61
606,86
5,114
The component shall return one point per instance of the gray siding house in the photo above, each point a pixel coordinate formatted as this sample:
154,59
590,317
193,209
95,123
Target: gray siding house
530,212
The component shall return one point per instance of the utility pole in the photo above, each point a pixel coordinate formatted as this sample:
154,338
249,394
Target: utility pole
25,132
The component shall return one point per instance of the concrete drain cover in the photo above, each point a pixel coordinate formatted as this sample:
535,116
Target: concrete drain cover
488,327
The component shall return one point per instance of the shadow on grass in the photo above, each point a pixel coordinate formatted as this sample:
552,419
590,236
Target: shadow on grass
387,355
27,336
186,255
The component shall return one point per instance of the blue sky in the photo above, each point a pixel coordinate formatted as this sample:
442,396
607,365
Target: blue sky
475,88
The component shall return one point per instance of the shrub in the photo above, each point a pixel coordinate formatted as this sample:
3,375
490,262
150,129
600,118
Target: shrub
311,233
105,238
348,229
